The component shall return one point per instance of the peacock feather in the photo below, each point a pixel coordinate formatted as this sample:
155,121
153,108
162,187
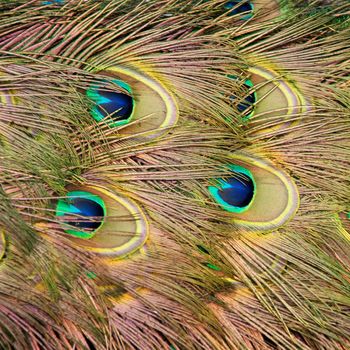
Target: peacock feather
174,174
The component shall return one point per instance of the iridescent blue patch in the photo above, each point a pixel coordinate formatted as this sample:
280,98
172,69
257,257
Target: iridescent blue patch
240,7
118,106
83,210
236,193
249,100
88,209
53,2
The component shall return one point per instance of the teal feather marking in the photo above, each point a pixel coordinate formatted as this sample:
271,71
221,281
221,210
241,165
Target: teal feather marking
216,191
118,103
66,207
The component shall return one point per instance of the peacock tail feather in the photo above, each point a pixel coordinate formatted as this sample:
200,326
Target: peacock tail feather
174,175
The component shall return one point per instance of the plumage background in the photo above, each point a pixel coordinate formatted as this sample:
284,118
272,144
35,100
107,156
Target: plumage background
174,174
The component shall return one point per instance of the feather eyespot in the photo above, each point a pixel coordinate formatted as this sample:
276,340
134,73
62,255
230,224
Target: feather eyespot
119,106
81,210
245,105
264,198
103,222
236,193
151,113
278,100
249,100
240,7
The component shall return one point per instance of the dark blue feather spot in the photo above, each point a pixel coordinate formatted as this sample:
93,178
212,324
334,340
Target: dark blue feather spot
52,2
248,101
85,208
243,8
238,191
119,107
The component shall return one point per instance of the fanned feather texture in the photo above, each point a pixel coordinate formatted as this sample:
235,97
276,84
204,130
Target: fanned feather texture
174,175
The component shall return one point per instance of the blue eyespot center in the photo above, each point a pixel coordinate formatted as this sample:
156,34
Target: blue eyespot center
236,193
89,210
83,211
52,2
249,100
240,7
117,105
